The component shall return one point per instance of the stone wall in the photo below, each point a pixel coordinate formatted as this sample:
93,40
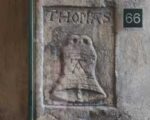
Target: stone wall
88,66
132,62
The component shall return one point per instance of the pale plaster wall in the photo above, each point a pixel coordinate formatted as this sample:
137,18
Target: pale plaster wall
133,62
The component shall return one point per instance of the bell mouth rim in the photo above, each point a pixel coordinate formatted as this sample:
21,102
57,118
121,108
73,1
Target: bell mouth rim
60,96
81,89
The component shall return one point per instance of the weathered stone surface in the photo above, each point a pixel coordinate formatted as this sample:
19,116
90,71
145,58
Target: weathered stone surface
79,48
94,113
93,3
75,57
133,62
76,48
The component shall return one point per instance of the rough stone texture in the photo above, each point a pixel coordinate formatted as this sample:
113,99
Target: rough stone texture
90,3
132,65
74,55
94,113
133,62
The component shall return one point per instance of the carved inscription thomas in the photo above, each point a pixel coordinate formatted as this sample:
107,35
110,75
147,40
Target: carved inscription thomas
78,17
78,56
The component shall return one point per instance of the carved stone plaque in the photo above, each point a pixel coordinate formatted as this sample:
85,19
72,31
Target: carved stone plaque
87,66
78,58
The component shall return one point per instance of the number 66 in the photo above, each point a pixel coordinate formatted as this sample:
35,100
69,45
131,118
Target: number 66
133,18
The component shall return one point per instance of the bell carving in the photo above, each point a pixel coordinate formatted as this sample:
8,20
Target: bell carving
78,82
